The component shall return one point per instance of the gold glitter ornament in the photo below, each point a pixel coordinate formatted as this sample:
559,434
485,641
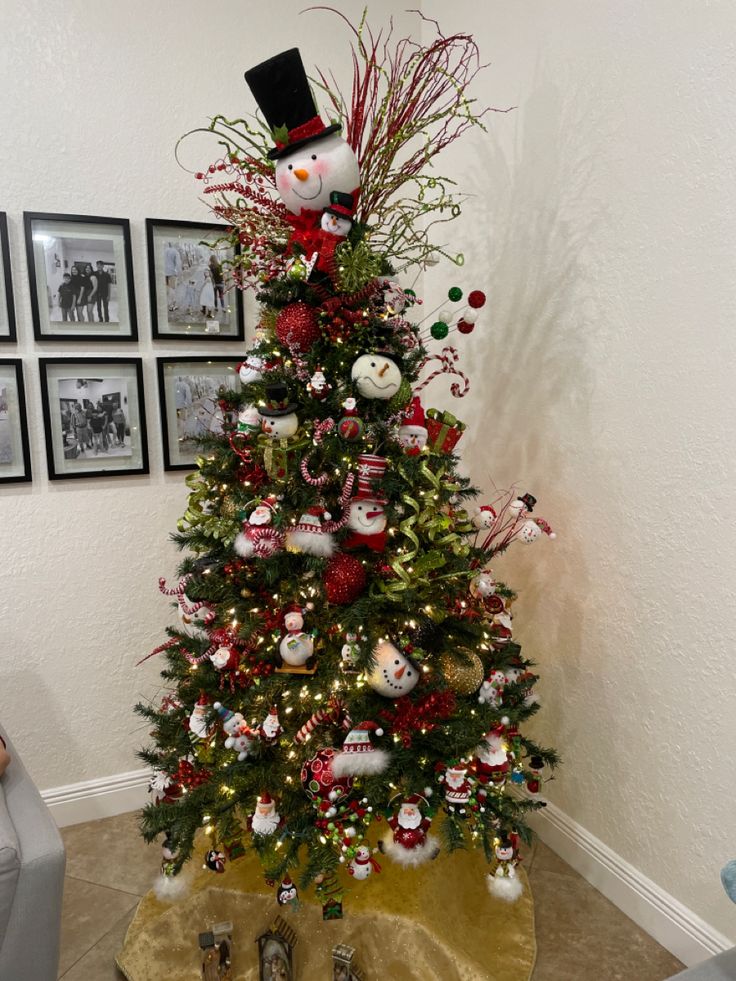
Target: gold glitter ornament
464,677
229,508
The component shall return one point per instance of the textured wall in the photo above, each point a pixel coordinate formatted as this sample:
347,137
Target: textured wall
95,96
603,227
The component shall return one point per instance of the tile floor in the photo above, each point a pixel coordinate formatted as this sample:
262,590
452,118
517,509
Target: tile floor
580,935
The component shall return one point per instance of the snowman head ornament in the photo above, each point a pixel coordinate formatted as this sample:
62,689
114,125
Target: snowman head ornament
376,376
312,159
278,418
394,673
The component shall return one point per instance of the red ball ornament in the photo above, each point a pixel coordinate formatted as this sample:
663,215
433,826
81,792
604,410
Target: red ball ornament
297,327
464,327
318,779
476,299
344,579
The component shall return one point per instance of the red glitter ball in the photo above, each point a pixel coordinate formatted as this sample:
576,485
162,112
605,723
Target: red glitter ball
297,327
476,299
464,327
345,579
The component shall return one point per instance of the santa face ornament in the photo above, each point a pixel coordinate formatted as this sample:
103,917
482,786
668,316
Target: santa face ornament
376,376
305,179
394,674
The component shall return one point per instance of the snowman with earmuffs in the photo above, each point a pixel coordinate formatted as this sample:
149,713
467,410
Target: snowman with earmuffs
317,174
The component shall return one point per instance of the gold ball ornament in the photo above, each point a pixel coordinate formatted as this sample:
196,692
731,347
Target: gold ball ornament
464,677
229,508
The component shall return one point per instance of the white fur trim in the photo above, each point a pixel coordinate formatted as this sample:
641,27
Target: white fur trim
321,543
243,546
410,857
508,888
359,764
170,888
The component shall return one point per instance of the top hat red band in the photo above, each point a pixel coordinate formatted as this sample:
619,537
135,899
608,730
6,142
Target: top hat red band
312,127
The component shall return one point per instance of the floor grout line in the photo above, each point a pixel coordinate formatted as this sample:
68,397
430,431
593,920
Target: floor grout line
95,944
91,882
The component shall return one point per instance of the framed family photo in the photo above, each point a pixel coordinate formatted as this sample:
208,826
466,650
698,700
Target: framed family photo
188,391
7,305
81,277
193,294
94,417
15,459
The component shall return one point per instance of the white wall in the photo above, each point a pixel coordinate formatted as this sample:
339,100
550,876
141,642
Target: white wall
604,230
95,96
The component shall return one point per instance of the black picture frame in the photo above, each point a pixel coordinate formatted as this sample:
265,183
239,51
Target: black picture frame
157,331
165,408
45,364
43,332
7,278
26,476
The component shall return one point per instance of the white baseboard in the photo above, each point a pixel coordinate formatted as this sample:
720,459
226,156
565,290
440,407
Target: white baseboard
93,799
663,917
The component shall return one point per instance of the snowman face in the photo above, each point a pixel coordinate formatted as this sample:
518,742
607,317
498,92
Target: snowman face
294,621
251,371
335,224
394,674
280,427
376,376
497,679
482,585
504,854
530,532
306,178
483,519
413,437
367,517
231,725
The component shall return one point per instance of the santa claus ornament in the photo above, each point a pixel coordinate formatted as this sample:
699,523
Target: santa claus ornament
409,842
394,673
413,432
265,820
312,159
296,647
257,538
311,534
458,788
358,756
491,761
270,729
199,727
318,386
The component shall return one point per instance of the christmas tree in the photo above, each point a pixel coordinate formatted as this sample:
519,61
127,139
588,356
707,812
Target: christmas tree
343,677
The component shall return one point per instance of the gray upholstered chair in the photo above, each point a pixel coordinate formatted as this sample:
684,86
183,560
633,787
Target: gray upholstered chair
720,968
32,864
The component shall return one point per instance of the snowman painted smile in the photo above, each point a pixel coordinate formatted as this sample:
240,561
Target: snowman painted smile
306,197
396,671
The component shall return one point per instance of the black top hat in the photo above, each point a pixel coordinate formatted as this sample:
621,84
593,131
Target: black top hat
281,89
529,501
277,401
341,204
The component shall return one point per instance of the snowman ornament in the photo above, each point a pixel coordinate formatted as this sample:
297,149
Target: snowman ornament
394,673
367,523
278,417
250,370
313,161
363,864
376,376
296,647
413,432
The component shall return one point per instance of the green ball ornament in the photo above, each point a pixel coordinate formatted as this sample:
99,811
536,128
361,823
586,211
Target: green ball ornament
454,293
439,330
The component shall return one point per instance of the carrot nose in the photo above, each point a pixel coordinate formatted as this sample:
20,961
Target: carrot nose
383,370
300,173
398,674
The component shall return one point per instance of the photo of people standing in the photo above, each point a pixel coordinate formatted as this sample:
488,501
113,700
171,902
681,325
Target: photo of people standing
6,436
197,408
193,284
81,281
93,417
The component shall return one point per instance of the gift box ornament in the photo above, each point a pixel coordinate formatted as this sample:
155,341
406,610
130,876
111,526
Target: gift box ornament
444,430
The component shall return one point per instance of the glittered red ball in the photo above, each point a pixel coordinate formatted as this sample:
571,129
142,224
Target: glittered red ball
297,327
464,327
318,779
345,579
476,299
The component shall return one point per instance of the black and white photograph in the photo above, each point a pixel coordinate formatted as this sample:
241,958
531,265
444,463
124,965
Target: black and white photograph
93,416
81,277
191,283
189,396
7,305
15,465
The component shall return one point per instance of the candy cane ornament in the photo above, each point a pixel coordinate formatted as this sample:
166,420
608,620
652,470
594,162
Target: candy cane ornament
448,358
330,714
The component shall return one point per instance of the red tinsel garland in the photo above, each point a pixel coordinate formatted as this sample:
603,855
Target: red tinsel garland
427,713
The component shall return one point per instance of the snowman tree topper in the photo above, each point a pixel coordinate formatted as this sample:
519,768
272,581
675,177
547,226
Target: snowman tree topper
313,162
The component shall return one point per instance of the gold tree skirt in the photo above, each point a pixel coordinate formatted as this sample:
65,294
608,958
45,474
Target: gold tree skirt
435,922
